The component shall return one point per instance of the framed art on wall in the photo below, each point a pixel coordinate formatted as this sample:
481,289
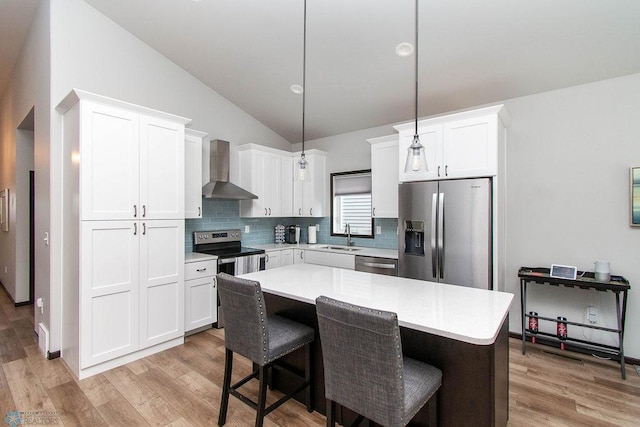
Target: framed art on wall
4,210
635,197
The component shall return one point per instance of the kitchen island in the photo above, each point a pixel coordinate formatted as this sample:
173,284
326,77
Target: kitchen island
463,331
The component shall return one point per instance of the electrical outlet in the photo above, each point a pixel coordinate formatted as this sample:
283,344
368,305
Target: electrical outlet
592,314
378,229
247,229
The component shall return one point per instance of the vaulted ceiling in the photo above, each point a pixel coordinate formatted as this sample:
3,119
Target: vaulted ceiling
471,52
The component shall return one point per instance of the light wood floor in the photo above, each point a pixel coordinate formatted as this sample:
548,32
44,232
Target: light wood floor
181,386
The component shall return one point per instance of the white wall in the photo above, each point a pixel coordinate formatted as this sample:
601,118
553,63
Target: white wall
349,151
28,87
568,158
20,211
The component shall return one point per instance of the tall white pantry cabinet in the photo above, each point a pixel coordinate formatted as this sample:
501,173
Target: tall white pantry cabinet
123,232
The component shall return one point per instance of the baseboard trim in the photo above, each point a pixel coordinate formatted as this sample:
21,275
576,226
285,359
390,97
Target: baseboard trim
15,304
628,360
22,304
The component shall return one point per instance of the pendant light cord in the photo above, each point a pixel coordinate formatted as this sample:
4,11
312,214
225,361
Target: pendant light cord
416,73
304,70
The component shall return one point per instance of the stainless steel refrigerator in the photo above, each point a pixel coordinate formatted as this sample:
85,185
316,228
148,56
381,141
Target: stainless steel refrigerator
445,231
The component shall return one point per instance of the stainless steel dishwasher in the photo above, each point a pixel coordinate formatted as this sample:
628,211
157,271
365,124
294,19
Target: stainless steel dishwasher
377,265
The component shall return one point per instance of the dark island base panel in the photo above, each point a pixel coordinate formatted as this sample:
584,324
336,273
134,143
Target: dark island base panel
475,388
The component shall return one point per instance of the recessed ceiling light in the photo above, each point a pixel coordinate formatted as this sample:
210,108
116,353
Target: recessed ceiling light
404,49
297,89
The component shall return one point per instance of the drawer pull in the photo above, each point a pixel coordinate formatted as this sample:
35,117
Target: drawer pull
201,269
378,265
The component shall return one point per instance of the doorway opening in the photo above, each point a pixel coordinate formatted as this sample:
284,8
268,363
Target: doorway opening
25,211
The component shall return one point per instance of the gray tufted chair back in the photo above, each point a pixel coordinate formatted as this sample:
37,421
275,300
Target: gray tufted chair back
363,362
245,330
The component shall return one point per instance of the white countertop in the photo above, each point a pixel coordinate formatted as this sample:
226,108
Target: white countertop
195,256
464,314
322,247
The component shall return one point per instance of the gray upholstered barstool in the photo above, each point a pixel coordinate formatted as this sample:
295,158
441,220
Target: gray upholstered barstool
249,332
364,369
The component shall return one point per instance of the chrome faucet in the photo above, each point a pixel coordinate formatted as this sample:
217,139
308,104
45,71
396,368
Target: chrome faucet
350,241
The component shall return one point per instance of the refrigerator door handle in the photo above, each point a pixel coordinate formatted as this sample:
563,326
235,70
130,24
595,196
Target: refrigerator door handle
441,234
434,218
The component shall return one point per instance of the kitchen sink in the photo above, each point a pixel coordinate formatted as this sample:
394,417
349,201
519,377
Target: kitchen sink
341,248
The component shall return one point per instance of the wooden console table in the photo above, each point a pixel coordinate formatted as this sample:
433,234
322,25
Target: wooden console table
585,280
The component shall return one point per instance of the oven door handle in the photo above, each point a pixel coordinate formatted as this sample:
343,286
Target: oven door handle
226,261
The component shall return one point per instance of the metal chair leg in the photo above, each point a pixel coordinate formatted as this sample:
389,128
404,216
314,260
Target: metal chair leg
433,410
308,366
228,364
262,395
331,413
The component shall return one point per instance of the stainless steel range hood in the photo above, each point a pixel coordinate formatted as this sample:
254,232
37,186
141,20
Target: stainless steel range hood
219,186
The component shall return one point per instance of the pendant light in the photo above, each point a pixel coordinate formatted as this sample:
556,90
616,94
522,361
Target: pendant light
416,158
303,164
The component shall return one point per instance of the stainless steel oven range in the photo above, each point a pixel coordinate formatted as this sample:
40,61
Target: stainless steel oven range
233,258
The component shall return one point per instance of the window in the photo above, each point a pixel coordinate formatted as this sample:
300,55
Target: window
351,203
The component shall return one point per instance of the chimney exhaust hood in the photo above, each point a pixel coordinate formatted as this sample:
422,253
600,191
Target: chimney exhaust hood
219,186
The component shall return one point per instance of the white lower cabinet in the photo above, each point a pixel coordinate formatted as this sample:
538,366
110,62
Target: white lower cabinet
298,256
286,257
110,291
272,260
131,289
161,282
201,294
278,258
330,259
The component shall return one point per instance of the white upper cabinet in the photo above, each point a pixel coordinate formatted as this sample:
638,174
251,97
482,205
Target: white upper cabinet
310,196
460,145
384,176
132,165
110,150
161,169
265,172
194,141
286,197
470,147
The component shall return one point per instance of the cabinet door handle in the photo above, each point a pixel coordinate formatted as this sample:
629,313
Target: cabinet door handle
199,211
311,211
438,170
144,211
144,229
446,170
265,211
266,258
269,211
374,212
201,269
301,255
135,228
300,211
135,211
